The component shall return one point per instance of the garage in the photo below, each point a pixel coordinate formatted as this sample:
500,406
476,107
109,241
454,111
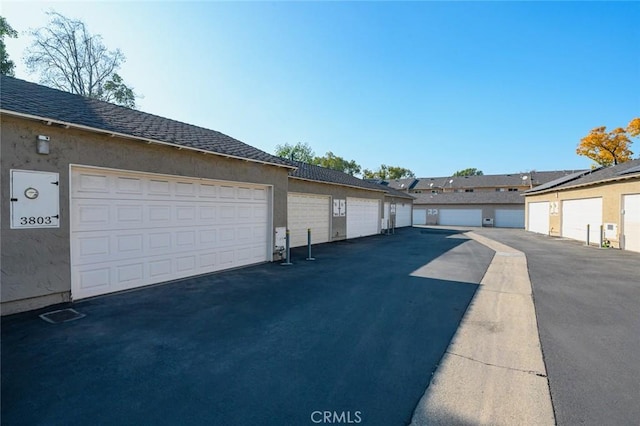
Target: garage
539,217
308,211
577,214
419,216
363,217
509,218
403,214
631,222
132,229
460,217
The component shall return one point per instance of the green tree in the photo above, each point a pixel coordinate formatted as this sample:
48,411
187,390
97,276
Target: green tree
7,67
68,57
388,172
332,161
298,152
469,172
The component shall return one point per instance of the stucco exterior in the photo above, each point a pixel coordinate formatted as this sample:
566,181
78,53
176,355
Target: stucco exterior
610,192
488,211
36,262
338,223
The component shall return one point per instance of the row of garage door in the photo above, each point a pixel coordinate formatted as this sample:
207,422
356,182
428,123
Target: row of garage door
311,211
504,218
132,229
577,214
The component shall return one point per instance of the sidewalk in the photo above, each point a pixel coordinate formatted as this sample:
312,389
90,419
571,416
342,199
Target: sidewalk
493,372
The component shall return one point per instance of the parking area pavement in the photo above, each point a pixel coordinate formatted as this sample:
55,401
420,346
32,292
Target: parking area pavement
355,333
587,302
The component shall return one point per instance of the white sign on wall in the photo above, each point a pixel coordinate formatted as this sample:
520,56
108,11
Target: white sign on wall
339,208
35,199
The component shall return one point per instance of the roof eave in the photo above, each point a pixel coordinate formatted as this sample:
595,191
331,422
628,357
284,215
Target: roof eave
68,125
336,183
582,185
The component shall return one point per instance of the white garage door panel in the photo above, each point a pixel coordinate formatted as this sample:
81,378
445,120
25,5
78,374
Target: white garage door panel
577,214
539,217
387,215
306,211
631,222
363,217
460,217
509,218
419,217
403,215
132,229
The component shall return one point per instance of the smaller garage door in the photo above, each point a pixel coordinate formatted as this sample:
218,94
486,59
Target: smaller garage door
363,217
577,214
403,215
387,215
308,211
419,217
539,217
460,217
631,222
506,218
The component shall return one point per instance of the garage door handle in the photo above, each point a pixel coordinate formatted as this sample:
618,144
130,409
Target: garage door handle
14,199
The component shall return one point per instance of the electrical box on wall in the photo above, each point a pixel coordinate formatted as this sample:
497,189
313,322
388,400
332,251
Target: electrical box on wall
610,230
35,199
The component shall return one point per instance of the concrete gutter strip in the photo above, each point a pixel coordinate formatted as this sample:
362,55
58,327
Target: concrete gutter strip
493,372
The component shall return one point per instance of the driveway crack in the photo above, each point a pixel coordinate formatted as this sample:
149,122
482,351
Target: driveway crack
537,373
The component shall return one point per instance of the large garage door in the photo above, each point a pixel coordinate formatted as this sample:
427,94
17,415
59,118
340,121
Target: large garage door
460,217
577,214
363,217
419,217
539,217
631,222
308,211
132,229
509,218
403,215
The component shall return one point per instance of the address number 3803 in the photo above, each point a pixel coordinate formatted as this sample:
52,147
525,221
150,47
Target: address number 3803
36,220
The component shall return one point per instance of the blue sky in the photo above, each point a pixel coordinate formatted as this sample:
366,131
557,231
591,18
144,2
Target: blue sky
431,86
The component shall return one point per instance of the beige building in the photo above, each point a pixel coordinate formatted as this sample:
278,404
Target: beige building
600,206
485,200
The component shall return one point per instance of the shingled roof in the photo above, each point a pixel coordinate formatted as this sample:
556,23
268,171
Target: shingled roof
30,100
311,172
502,180
466,198
624,171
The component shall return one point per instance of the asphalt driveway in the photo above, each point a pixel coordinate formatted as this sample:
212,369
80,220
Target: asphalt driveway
352,332
588,309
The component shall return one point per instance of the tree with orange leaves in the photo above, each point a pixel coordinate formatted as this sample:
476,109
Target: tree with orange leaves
609,148
634,127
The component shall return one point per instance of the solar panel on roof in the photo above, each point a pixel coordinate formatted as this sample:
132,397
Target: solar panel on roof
634,169
563,179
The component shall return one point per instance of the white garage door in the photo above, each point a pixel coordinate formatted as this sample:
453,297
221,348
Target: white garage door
577,214
631,222
403,215
308,211
506,218
539,217
363,217
419,217
132,229
460,217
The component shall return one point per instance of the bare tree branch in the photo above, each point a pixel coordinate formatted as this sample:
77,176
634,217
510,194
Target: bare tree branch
68,57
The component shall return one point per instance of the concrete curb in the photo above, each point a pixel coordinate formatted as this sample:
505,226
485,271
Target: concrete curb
493,372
